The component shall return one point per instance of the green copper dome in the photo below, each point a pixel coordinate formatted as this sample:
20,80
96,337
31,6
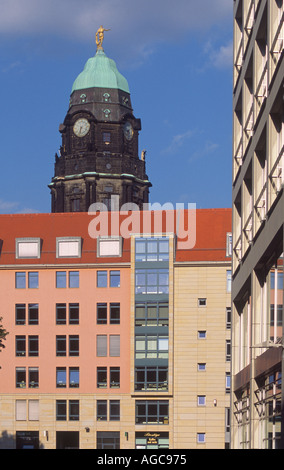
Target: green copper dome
100,72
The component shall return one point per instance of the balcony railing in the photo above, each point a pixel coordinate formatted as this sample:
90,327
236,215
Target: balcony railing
278,41
260,206
276,173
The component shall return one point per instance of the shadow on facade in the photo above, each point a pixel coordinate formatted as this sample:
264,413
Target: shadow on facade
22,440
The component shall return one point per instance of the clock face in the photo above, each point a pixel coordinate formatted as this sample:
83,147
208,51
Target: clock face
128,131
81,127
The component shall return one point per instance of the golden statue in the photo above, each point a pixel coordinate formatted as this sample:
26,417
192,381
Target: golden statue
100,37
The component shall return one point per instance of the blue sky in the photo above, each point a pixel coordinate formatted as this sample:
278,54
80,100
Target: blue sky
177,58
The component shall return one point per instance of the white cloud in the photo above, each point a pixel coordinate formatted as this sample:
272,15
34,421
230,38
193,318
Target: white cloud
13,207
136,26
208,149
221,57
178,141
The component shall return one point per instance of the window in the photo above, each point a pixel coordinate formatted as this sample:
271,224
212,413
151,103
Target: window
152,281
114,313
20,280
21,410
228,317
201,334
101,345
201,400
75,203
102,314
21,377
20,310
101,278
201,437
152,412
74,377
61,410
33,407
74,410
152,249
151,347
74,345
151,378
101,377
20,346
27,248
152,314
114,410
106,138
109,247
201,366
33,280
229,281
229,244
74,314
61,377
60,345
33,346
202,302
33,314
60,314
108,440
61,279
149,441
20,313
228,350
74,279
33,377
101,410
228,382
114,278
114,377
114,345
68,247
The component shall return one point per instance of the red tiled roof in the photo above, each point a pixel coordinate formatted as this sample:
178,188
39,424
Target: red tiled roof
212,225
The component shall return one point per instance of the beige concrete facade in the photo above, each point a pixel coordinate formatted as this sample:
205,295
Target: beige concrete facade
193,282
257,273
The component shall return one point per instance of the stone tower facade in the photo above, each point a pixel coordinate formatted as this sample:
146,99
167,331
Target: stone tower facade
99,160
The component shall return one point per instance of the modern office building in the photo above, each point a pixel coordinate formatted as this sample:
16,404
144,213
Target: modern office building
115,342
258,217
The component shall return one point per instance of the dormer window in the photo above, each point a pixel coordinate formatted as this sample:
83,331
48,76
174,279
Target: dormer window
27,248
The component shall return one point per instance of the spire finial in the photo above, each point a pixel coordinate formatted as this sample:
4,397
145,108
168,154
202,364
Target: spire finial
100,37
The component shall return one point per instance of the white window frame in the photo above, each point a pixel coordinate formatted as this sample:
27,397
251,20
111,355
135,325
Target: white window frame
66,240
28,240
229,244
201,400
201,437
202,334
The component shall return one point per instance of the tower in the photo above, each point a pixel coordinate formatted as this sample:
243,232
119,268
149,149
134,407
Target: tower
99,159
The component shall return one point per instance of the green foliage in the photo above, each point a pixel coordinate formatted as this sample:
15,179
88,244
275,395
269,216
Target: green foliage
3,334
